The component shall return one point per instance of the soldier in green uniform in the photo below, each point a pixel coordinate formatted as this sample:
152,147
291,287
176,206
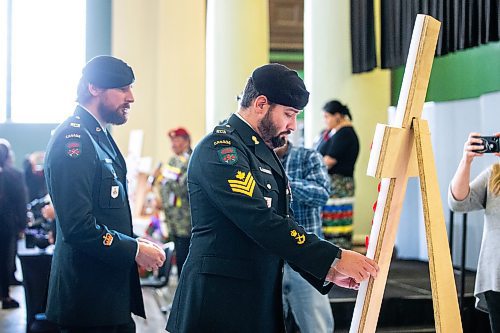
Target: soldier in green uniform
174,194
243,229
94,282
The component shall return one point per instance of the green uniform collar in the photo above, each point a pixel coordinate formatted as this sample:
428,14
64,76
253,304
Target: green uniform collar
253,140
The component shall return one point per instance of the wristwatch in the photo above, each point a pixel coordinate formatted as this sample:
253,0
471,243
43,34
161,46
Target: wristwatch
337,257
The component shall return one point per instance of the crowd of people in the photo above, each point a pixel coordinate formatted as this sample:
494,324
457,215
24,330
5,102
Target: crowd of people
262,228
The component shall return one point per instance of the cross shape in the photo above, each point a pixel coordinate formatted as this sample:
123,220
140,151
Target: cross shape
401,151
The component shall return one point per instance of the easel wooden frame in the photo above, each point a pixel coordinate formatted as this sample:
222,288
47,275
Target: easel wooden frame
398,152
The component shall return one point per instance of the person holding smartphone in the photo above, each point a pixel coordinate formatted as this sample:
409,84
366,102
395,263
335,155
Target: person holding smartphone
482,193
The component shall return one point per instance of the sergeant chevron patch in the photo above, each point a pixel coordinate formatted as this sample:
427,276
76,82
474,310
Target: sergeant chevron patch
242,184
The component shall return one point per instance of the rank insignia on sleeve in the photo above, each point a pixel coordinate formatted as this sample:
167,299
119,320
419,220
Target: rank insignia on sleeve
108,239
298,237
242,184
73,149
228,155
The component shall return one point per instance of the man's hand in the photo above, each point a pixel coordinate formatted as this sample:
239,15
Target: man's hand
341,280
151,256
352,265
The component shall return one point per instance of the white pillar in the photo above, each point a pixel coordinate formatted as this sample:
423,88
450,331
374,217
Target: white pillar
326,58
237,42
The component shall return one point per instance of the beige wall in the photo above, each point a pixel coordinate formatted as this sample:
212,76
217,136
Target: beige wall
368,96
328,75
164,42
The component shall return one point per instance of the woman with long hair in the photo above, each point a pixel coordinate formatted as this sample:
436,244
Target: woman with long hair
339,146
482,193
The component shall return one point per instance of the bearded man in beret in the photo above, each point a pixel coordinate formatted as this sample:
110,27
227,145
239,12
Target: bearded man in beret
94,282
243,228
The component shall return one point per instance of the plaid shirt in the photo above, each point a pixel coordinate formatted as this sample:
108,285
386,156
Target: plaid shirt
310,186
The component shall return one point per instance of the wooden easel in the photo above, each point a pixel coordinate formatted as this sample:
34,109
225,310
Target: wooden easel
400,151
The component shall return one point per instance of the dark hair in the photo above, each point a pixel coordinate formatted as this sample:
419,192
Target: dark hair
249,94
82,92
334,106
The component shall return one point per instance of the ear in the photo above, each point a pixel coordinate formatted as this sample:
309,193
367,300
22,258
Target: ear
93,90
261,104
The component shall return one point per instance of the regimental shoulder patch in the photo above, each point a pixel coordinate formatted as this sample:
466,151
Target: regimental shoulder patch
107,239
222,142
73,149
298,237
223,129
244,184
73,135
228,155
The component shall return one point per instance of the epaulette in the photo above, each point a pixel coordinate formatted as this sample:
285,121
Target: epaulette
74,121
223,129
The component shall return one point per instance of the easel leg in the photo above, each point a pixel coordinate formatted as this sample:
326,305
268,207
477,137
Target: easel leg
444,293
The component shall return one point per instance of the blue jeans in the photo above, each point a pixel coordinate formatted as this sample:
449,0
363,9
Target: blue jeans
311,310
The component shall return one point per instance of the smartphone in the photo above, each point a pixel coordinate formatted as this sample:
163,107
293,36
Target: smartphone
491,144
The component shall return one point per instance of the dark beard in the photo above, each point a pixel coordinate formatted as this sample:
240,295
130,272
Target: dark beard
269,132
111,116
278,141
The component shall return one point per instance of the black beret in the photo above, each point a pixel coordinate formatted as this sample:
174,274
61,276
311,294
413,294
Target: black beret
281,85
108,72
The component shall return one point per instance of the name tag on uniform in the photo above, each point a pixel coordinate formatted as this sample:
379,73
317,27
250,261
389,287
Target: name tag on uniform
269,201
114,191
265,170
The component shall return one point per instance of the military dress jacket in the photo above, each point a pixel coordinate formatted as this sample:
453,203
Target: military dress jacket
174,194
94,278
242,233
